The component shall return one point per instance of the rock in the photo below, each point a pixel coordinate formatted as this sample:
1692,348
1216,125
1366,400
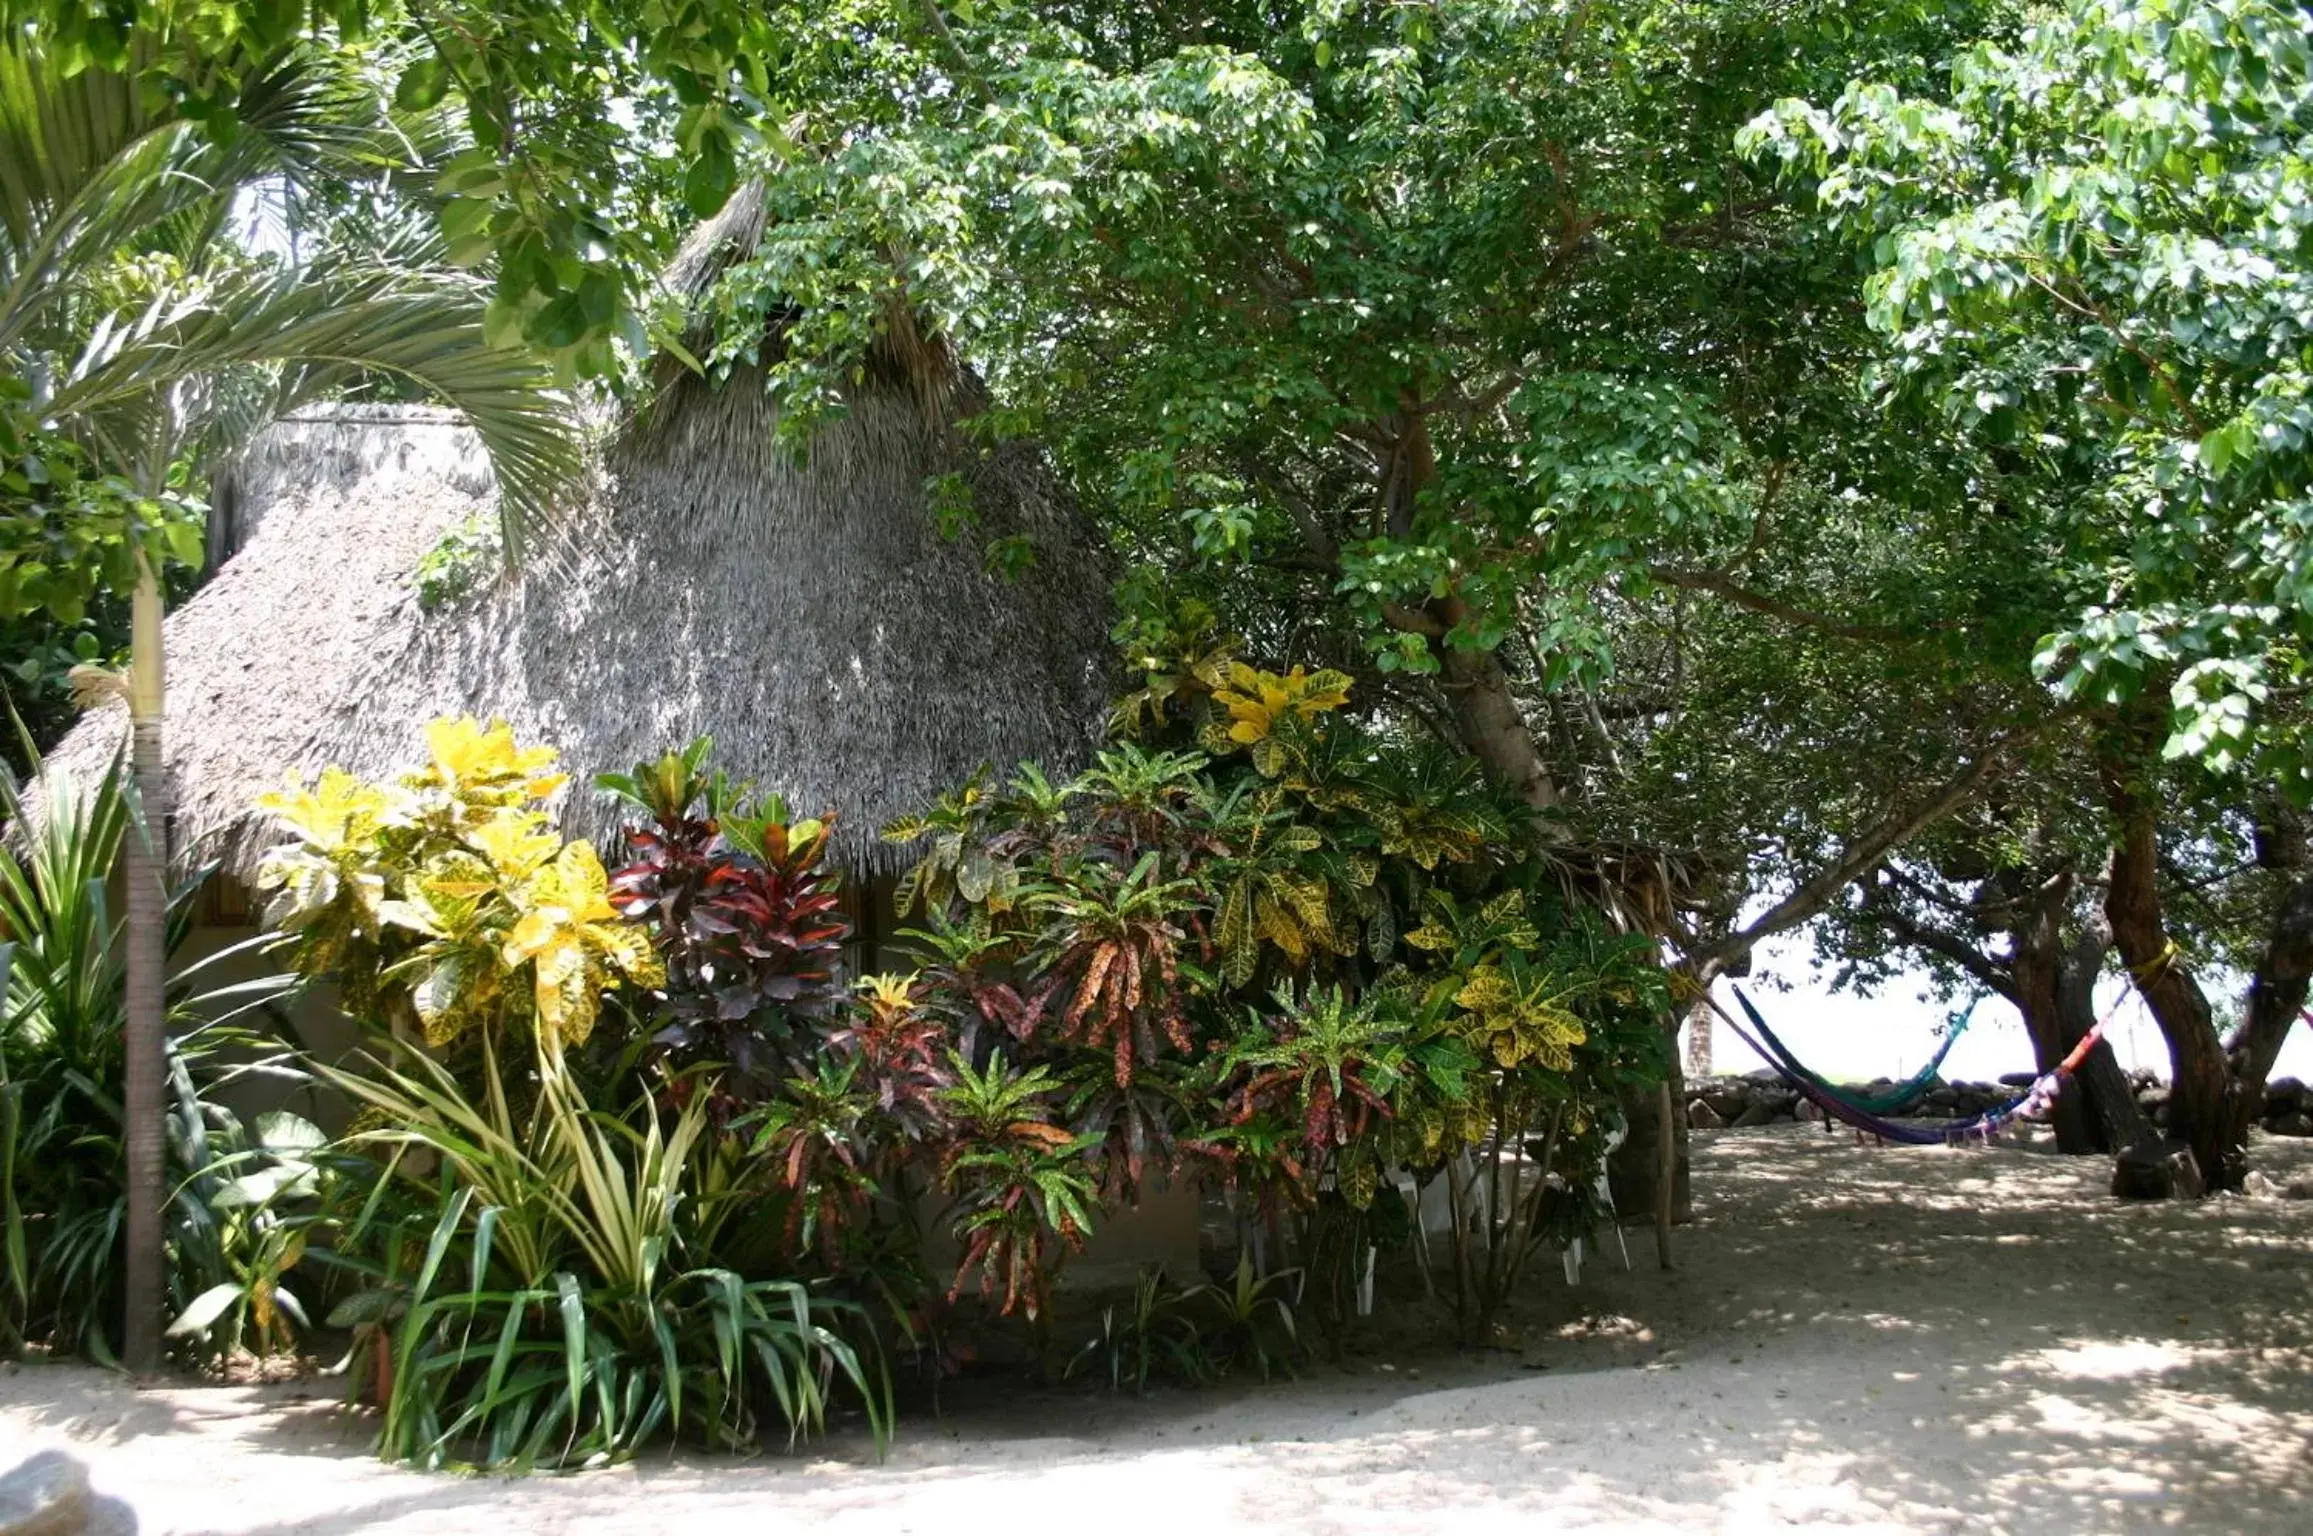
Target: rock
1701,1117
2018,1079
47,1495
1757,1112
2284,1093
2152,1096
1727,1103
1806,1112
2295,1123
2156,1170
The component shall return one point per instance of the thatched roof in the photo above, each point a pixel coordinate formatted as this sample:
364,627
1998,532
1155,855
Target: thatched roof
807,615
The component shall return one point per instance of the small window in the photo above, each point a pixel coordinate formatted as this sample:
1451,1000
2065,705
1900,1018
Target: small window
225,902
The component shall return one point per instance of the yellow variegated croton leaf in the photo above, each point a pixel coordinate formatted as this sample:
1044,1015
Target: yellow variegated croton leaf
1268,898
1515,1019
448,899
1188,660
1426,835
324,884
1287,910
576,944
481,767
1499,925
1258,701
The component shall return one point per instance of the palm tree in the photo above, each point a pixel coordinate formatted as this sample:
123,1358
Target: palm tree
107,189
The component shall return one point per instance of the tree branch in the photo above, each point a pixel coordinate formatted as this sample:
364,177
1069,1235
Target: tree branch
1936,942
1897,827
1306,520
2277,994
1719,584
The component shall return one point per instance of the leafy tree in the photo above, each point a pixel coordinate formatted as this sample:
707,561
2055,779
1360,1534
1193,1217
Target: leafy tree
1428,324
2090,253
575,141
2094,251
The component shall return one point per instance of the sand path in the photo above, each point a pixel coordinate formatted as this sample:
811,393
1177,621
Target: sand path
1888,1340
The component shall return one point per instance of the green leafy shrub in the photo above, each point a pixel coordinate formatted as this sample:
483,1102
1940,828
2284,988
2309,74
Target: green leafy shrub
1316,961
564,1305
62,1157
1302,958
459,561
555,1318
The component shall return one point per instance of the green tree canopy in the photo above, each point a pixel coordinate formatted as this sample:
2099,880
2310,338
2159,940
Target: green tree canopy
2093,251
1435,326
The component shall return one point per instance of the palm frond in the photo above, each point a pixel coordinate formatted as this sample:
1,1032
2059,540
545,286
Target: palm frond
333,322
91,170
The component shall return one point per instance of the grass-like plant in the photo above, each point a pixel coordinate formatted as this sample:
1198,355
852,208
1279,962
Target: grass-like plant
556,1318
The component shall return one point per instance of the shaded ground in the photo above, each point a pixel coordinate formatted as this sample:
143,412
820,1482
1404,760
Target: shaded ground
1887,1339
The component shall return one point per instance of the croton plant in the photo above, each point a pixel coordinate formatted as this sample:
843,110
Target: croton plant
747,917
444,904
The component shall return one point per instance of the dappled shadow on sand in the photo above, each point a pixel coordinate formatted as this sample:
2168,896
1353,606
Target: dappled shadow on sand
286,1418
1856,1338
1870,1339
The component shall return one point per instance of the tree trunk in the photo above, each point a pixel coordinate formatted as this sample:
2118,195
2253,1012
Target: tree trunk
1699,1038
1487,718
1492,727
2103,1089
1634,1170
145,864
2198,1110
2276,997
2036,974
2055,990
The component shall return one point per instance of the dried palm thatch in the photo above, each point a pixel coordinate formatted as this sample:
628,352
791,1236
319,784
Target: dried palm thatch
804,612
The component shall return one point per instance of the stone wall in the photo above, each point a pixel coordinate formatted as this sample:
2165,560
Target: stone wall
1762,1098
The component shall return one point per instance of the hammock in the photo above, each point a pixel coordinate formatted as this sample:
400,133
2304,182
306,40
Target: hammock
1901,1097
1979,1128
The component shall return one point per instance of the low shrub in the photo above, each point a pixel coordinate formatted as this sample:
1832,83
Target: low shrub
562,1309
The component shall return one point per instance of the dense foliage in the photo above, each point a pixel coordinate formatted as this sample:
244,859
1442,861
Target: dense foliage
61,1032
481,947
561,148
673,1157
1599,485
1302,962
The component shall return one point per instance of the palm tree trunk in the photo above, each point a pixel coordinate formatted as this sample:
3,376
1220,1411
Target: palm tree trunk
144,1042
1699,1038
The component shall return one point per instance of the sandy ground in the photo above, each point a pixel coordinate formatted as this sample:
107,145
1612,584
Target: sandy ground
1884,1340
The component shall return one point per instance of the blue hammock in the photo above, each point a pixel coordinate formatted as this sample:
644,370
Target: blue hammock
1895,1100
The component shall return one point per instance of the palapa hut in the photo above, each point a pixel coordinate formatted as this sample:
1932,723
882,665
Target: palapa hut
806,613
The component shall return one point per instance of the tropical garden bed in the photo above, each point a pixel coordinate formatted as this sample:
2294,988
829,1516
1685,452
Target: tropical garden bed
633,1157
